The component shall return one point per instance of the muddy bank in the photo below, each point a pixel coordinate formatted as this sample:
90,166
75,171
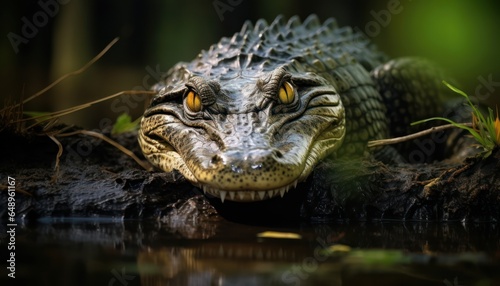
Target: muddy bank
97,180
94,179
465,191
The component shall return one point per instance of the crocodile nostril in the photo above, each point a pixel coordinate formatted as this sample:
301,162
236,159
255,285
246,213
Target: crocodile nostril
278,154
216,159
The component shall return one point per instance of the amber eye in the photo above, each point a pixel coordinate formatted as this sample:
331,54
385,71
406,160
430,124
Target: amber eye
193,101
287,93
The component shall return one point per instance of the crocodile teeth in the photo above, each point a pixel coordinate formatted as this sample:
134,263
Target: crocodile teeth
248,195
283,191
222,195
272,193
241,195
262,194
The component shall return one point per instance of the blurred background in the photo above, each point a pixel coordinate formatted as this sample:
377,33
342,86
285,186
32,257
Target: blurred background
45,39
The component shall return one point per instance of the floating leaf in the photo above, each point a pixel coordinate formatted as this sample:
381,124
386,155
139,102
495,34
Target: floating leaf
339,248
277,234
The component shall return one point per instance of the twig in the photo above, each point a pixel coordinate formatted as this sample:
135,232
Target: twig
6,188
45,117
58,157
395,140
82,69
57,81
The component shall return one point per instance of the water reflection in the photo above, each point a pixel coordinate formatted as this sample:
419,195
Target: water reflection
217,252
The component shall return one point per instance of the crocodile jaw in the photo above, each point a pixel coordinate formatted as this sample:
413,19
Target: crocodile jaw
248,195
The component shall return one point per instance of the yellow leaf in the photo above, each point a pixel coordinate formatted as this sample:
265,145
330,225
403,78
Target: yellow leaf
475,122
277,234
339,248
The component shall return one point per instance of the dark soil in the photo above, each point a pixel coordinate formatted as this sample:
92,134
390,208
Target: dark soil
97,180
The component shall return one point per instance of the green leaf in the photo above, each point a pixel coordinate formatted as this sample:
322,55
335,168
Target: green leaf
124,124
484,131
474,109
455,89
459,125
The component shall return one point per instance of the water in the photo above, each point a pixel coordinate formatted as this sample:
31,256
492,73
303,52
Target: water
115,252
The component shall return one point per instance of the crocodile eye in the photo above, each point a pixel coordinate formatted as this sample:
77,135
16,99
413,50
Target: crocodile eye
286,93
193,101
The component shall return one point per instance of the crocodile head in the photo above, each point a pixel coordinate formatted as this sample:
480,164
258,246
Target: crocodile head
246,120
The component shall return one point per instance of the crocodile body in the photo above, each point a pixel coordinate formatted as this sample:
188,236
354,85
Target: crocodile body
250,117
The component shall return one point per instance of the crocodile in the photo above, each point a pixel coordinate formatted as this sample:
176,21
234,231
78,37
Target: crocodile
252,116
